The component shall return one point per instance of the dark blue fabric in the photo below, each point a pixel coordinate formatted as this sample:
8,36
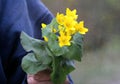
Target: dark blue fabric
17,16
70,79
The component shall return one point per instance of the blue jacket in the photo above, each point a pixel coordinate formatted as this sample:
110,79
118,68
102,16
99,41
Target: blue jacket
17,16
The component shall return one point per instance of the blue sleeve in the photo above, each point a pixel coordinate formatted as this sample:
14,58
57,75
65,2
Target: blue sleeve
17,16
70,79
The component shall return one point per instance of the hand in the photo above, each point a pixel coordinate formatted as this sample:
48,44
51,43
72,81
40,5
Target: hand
42,77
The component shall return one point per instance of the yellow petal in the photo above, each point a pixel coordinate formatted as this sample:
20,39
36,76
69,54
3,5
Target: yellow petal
43,25
60,18
45,38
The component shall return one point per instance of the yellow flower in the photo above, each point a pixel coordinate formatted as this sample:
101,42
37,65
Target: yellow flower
71,13
43,25
60,18
69,22
64,39
45,38
70,31
80,28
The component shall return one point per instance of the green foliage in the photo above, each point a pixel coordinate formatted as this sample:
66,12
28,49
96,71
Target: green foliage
61,67
31,65
75,50
78,39
39,59
49,55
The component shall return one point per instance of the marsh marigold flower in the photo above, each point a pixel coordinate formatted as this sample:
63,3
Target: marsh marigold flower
69,22
80,28
71,13
60,18
64,39
68,26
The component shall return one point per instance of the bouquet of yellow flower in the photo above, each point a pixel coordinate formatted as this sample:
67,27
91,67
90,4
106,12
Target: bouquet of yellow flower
62,44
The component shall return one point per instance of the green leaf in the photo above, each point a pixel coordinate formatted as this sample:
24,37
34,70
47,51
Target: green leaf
61,68
46,31
76,48
31,65
67,66
78,39
75,52
54,24
37,46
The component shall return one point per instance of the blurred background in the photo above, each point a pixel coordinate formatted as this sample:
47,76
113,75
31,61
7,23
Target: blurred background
101,58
